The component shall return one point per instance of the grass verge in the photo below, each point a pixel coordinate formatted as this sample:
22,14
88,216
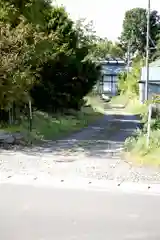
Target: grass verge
136,148
120,99
52,127
131,104
138,152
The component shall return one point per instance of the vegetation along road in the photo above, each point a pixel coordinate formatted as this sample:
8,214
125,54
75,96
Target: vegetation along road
51,63
95,153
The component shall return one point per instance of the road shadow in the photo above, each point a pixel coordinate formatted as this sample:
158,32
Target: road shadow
104,138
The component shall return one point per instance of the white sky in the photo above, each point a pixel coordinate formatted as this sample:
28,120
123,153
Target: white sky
107,15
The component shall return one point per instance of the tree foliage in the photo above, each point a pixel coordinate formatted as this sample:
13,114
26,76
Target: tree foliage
156,54
103,48
44,56
15,74
134,35
129,83
135,28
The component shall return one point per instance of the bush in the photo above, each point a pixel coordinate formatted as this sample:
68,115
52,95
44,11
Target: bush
64,82
43,55
128,83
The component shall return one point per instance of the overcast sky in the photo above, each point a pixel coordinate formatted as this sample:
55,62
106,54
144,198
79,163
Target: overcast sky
107,15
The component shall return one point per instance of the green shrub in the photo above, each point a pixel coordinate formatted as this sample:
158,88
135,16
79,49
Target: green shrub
128,83
43,54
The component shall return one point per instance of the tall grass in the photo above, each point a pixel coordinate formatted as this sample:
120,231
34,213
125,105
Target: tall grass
54,126
137,145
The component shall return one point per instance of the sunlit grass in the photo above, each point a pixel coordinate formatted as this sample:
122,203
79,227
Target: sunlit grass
136,148
120,99
54,126
138,151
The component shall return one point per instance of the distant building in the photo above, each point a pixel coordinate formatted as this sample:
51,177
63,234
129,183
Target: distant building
110,68
154,80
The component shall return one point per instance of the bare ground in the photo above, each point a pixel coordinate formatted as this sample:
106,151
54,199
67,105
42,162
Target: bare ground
93,153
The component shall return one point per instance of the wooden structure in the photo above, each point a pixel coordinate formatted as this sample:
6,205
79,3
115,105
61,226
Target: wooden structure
110,70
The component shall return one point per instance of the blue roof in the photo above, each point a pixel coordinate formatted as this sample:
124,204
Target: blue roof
113,61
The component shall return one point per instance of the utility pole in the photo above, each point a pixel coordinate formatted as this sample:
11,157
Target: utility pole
128,56
129,52
147,50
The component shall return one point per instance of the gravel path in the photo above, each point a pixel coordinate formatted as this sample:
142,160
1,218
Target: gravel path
93,153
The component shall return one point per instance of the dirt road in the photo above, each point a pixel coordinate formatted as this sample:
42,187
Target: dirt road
93,153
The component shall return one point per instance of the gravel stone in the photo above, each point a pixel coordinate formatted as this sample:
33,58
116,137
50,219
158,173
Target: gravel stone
93,153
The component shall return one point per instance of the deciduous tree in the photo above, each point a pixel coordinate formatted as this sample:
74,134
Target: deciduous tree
135,28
